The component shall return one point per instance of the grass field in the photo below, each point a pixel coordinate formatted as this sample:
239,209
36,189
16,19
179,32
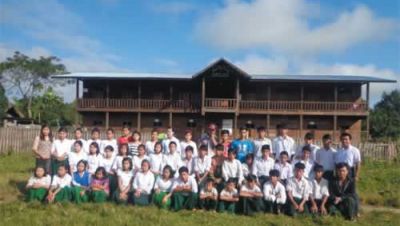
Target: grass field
379,185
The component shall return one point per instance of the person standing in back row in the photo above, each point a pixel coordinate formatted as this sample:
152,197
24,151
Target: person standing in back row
42,148
283,142
243,145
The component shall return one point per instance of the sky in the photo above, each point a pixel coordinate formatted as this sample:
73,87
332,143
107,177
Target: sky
341,37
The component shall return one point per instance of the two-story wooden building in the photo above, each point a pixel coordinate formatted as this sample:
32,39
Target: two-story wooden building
226,95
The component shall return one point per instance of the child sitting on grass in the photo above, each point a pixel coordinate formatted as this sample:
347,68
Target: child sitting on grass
184,191
60,190
162,188
38,185
251,196
228,198
125,176
143,185
80,182
274,193
99,186
208,196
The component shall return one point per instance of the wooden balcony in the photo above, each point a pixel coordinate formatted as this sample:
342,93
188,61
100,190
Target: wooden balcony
220,105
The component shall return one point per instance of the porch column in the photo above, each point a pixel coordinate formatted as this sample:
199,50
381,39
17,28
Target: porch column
203,95
335,96
171,90
301,125
139,114
269,96
170,119
302,97
107,119
367,109
334,127
139,121
77,89
237,96
107,93
268,124
77,101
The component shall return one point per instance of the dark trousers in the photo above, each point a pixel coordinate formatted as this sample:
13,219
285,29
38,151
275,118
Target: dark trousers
347,207
262,180
291,211
250,206
328,175
46,163
272,207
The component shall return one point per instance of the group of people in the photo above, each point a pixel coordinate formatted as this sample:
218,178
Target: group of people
243,175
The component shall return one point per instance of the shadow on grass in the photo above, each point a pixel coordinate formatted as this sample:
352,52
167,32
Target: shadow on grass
20,185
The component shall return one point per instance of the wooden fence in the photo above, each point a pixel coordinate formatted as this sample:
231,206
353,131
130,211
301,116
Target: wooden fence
19,139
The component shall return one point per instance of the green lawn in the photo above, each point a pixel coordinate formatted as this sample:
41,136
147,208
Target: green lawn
15,170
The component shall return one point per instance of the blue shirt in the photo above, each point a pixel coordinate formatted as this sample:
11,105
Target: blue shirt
242,147
82,181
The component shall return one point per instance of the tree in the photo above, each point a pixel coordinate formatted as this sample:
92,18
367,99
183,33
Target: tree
29,76
385,117
3,102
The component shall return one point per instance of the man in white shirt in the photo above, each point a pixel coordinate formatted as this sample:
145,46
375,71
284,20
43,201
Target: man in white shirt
110,141
283,142
152,142
263,165
320,191
260,141
184,191
349,154
308,141
95,137
326,157
188,142
307,161
202,165
172,158
232,168
274,193
171,138
60,150
284,167
298,191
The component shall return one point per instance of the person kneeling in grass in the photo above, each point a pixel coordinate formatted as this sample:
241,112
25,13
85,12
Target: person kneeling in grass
228,197
80,182
38,184
343,193
60,190
100,186
184,191
274,193
143,185
298,191
125,176
320,192
162,188
208,196
250,196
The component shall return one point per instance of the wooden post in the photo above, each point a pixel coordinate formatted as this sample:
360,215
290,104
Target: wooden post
107,93
170,119
77,89
269,96
171,90
237,96
234,126
367,109
139,121
302,97
335,96
334,127
78,103
301,125
140,95
268,124
203,95
107,119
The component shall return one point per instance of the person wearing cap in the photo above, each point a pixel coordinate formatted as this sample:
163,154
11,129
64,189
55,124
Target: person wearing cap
250,201
307,161
188,142
274,193
208,199
210,138
320,192
298,192
283,142
284,167
263,165
228,198
184,191
342,193
232,168
309,140
260,141
326,157
243,145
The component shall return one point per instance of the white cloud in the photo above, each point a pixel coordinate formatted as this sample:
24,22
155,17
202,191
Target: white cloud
255,64
289,26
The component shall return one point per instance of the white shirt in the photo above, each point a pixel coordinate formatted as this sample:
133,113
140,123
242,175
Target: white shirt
125,177
314,148
213,192
245,169
231,194
300,189
166,142
144,182
184,144
191,182
156,161
44,181
308,170
150,147
232,169
261,166
84,145
137,162
61,182
113,143
326,158
285,170
351,156
61,148
74,158
89,142
117,165
93,162
280,144
163,185
190,164
107,163
271,192
201,166
173,160
259,142
247,189
319,190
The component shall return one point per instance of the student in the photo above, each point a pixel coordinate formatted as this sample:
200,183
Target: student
228,198
107,162
60,150
309,140
122,153
95,137
138,159
143,185
125,177
188,160
284,167
274,193
60,190
261,140
320,192
210,138
94,157
76,155
156,159
151,143
215,173
202,165
247,166
126,137
184,191
80,183
133,144
219,154
298,192
78,135
109,141
243,145
232,168
38,184
225,142
263,165
250,196
326,157
162,188
99,186
342,193
349,154
171,138
188,142
208,199
42,148
283,142
307,161
172,158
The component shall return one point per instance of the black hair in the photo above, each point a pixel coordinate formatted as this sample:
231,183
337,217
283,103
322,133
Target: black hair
243,128
265,147
219,147
346,135
78,129
284,153
41,136
141,146
231,180
306,148
189,148
281,126
183,169
129,160
274,173
299,165
342,165
95,130
251,178
146,161
159,143
120,148
109,147
203,147
232,150
210,180
96,145
138,133
318,167
225,131
110,130
327,137
40,166
309,136
171,171
250,156
62,129
261,128
84,162
78,142
102,170
172,142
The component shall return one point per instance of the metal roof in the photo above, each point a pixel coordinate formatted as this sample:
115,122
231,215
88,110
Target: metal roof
320,78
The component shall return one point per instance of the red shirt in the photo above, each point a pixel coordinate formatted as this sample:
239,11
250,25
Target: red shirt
226,144
124,139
